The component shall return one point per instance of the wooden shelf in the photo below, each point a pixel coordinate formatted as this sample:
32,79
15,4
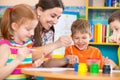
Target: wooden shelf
107,49
103,43
91,7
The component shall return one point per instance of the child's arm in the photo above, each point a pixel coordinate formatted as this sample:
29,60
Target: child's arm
111,62
55,62
114,65
63,62
6,69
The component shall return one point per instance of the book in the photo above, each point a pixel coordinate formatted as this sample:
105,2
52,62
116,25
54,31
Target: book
103,33
107,33
92,32
99,34
95,33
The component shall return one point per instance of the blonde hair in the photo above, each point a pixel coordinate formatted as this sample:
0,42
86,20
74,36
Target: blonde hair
80,25
18,14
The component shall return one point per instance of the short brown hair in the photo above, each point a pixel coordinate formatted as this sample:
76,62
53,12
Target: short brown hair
114,16
80,25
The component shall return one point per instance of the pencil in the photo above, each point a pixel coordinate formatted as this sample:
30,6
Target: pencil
36,50
45,59
71,50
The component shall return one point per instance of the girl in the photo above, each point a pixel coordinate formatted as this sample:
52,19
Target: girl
17,27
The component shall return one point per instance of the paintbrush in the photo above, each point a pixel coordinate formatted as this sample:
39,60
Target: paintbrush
36,50
71,50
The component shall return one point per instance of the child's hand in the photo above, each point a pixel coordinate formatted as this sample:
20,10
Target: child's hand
110,62
22,52
38,62
115,38
72,59
105,60
114,66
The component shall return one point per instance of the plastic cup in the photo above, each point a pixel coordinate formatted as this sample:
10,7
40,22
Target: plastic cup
76,67
82,69
91,61
94,68
106,69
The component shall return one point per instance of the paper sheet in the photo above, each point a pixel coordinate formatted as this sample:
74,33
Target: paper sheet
49,69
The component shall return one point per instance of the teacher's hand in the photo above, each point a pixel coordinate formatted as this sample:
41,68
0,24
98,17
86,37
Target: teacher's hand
64,41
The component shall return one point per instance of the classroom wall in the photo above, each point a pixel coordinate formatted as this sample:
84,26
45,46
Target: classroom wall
74,2
14,2
33,2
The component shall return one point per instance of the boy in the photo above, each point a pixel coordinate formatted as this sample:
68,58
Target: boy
81,36
114,22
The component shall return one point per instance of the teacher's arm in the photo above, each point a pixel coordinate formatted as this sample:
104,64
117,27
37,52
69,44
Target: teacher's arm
47,49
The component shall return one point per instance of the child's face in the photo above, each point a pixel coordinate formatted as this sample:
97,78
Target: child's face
23,32
115,27
81,40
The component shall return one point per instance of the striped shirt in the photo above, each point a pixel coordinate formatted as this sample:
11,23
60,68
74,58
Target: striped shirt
26,63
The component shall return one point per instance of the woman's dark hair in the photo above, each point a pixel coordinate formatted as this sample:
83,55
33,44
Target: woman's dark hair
45,5
48,4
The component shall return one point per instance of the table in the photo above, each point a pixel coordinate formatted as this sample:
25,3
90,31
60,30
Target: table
70,75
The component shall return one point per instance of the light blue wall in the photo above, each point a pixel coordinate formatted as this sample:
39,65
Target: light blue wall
109,50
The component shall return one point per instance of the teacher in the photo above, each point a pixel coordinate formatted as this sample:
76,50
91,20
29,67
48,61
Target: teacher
48,12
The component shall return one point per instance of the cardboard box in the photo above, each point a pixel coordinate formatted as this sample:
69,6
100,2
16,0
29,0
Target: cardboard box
96,3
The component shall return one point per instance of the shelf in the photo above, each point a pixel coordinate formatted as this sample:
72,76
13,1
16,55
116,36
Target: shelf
90,7
103,43
100,14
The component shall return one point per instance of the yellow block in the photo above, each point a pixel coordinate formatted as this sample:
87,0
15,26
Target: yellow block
16,76
57,56
119,55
